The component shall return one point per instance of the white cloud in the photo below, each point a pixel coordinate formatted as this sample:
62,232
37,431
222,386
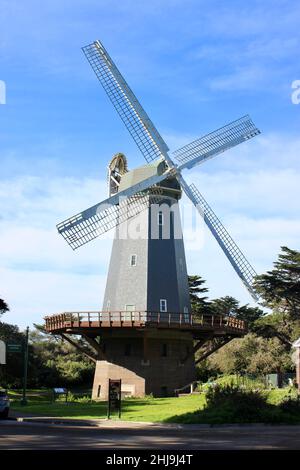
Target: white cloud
34,294
243,78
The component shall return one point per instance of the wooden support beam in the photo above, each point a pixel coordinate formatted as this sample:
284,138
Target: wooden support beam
197,346
219,343
145,347
95,345
79,347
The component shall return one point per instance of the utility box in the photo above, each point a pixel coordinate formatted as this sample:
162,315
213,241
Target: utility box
296,345
2,352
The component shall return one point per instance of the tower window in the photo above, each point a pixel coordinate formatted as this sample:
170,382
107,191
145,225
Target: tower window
133,259
160,218
127,351
163,307
164,350
186,314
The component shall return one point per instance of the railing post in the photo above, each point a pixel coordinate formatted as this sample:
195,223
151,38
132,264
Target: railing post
169,319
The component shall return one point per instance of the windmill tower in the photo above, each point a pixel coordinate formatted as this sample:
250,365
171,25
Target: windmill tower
145,333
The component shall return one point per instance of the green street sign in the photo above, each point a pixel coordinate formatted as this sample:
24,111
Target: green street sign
14,348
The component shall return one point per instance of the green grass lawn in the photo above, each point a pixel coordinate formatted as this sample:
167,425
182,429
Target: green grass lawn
137,409
186,409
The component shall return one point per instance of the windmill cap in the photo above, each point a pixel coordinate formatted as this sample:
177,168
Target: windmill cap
157,167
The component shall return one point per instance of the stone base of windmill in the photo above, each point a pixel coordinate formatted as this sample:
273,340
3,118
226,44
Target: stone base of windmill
157,363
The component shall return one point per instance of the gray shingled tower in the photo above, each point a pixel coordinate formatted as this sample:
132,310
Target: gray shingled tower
147,270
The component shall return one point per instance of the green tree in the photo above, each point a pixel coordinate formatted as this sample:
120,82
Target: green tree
253,355
197,288
279,288
199,302
57,362
11,373
3,307
227,306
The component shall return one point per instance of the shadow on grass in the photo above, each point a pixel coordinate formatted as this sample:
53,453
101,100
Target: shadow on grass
231,405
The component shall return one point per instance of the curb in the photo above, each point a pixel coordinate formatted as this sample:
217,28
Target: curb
114,424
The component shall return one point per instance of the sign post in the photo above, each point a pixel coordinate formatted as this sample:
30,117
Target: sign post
14,347
24,399
114,397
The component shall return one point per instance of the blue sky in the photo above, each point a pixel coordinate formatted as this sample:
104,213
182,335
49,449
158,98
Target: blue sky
194,65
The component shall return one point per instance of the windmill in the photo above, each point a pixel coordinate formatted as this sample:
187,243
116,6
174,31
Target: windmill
147,282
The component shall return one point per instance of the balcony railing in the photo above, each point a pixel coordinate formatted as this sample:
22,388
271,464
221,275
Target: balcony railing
138,318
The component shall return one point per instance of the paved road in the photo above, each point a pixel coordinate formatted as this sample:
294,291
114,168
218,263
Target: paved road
22,435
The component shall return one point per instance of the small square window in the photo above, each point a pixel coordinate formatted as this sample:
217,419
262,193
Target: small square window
133,260
163,307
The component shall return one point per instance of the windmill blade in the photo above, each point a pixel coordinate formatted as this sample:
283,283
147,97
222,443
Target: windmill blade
90,224
216,142
98,219
125,102
242,267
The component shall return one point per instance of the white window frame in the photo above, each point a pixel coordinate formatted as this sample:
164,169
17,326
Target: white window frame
160,218
133,256
186,314
163,305
131,309
128,312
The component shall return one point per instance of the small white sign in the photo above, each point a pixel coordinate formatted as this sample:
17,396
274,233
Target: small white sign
2,352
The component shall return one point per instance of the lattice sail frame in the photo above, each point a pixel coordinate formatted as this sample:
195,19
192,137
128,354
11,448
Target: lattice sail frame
235,256
216,142
78,231
138,123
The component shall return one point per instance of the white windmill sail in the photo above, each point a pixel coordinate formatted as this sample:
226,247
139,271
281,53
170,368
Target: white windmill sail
138,123
216,142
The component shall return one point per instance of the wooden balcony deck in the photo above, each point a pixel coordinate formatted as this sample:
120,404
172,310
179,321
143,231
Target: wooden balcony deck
75,322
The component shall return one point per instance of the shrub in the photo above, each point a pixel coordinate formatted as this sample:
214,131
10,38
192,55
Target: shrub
291,405
238,403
